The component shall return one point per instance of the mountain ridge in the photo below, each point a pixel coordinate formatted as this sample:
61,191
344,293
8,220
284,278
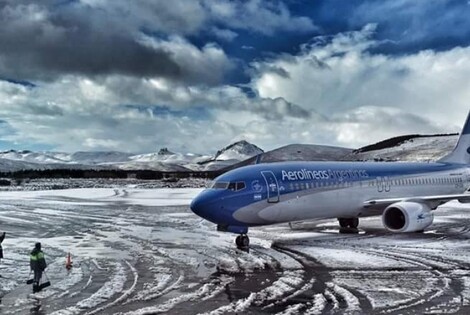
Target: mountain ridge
402,148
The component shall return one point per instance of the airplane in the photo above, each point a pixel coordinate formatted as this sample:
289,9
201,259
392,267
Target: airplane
404,194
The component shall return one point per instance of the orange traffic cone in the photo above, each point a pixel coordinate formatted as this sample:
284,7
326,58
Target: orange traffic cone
68,262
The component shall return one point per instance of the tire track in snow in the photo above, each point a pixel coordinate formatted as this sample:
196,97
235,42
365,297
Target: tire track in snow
158,278
322,282
105,292
287,283
205,291
123,296
427,264
345,300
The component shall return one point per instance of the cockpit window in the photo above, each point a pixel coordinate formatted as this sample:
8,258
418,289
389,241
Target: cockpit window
234,186
219,185
240,186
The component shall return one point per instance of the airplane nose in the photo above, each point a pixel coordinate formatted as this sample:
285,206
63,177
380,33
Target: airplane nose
205,205
212,206
200,205
197,205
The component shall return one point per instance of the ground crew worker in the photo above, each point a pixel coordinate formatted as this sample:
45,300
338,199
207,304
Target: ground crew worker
37,264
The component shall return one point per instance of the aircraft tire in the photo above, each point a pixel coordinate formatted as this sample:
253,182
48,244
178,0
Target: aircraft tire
348,222
238,241
245,241
354,223
343,222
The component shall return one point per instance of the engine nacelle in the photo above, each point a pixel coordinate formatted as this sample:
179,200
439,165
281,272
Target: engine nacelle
407,216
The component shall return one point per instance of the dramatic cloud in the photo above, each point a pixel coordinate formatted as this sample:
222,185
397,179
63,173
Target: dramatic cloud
37,44
417,24
341,79
266,17
92,115
197,75
43,40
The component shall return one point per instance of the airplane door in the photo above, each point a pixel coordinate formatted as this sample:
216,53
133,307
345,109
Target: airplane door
272,185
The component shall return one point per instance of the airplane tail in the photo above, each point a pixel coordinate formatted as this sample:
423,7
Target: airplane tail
461,152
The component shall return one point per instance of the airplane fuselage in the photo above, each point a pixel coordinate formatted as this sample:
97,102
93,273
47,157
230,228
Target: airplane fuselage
293,191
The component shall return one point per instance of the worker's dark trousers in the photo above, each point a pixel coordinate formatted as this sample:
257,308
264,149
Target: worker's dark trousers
37,279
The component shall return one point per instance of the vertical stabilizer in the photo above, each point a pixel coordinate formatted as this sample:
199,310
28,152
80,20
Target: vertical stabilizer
461,152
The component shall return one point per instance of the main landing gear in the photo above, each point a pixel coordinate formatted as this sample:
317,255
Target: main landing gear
348,225
243,242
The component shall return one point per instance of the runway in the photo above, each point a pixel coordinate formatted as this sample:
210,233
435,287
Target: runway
142,251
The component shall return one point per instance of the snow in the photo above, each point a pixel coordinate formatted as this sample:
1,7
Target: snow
419,149
415,149
350,258
240,151
164,160
142,251
351,300
85,196
110,288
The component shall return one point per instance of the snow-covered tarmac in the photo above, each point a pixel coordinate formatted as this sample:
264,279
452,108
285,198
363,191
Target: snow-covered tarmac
139,251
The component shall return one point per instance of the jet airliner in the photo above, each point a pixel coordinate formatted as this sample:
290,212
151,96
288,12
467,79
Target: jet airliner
404,194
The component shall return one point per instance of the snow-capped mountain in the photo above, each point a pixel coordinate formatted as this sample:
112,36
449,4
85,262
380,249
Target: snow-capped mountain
92,158
163,160
7,165
45,157
403,148
35,157
413,148
166,156
230,155
240,151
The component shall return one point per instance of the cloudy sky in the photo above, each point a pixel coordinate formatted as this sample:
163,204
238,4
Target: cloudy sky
197,75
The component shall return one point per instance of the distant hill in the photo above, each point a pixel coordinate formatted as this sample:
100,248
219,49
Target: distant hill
231,155
164,160
396,141
412,148
402,148
305,152
298,152
240,150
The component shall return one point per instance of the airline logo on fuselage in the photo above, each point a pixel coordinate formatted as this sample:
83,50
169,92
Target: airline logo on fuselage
305,174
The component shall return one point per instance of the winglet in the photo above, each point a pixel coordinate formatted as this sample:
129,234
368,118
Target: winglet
461,152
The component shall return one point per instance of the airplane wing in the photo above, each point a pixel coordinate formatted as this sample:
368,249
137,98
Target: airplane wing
432,201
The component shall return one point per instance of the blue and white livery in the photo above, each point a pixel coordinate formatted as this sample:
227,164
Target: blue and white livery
402,193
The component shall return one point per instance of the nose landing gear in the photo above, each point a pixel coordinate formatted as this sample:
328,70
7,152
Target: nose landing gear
348,225
243,242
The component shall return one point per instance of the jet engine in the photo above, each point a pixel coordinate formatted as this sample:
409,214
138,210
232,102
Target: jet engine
407,216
